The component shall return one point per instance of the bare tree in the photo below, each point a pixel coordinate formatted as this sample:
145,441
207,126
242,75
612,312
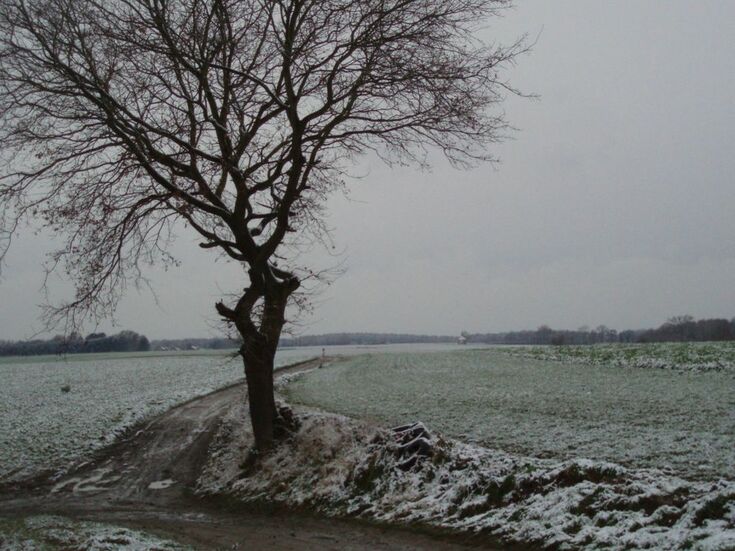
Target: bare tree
121,118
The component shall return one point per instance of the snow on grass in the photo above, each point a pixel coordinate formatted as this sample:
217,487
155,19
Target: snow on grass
681,421
344,467
688,356
46,428
53,532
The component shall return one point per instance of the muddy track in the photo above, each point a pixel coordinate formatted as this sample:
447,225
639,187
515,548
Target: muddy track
145,481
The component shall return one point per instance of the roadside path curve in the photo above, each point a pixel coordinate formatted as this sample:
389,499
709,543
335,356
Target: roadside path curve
145,481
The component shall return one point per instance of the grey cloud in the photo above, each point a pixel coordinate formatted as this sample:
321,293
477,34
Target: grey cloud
614,203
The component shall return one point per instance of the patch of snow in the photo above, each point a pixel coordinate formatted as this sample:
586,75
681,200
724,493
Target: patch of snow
54,532
96,482
161,484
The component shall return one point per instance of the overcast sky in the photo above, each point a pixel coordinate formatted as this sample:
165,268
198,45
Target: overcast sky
614,203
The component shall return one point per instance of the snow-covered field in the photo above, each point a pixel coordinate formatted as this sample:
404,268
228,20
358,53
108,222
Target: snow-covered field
54,411
604,447
690,356
567,454
681,421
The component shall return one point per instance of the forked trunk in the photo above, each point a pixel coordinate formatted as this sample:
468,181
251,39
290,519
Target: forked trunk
258,352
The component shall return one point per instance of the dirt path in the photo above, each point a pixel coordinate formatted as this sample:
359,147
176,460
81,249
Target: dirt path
145,482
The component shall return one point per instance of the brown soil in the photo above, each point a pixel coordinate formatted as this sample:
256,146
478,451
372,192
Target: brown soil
145,481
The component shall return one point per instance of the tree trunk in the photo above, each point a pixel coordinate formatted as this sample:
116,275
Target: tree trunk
258,359
258,352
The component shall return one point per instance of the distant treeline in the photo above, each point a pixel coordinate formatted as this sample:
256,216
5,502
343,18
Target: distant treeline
335,339
686,328
195,344
331,339
680,328
125,341
676,329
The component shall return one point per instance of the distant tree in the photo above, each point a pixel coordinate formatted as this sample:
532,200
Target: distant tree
143,344
679,320
558,339
714,330
628,336
544,334
122,118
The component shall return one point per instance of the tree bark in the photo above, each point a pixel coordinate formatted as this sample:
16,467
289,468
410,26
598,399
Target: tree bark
258,359
258,353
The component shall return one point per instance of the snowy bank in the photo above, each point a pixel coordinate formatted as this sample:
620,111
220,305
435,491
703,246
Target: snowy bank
342,467
54,532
